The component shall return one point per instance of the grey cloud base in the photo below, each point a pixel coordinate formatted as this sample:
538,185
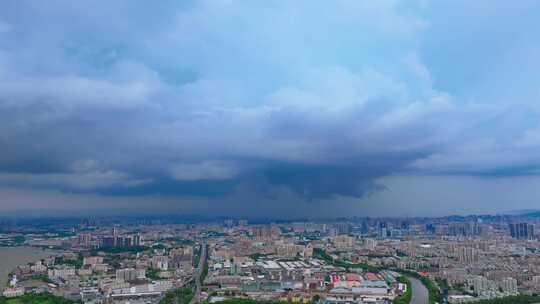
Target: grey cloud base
272,101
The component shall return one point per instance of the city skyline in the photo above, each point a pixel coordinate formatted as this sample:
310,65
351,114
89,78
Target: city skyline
304,109
456,260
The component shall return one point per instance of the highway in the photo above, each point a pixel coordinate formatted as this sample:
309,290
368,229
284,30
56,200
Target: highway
197,276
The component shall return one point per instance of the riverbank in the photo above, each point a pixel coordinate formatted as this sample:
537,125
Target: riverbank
405,298
11,257
423,289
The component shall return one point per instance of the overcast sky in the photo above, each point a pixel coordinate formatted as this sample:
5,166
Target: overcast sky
270,108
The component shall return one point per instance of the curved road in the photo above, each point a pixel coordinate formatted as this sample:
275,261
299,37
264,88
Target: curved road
420,293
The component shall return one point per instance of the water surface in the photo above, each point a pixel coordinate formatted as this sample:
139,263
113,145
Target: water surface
11,257
420,293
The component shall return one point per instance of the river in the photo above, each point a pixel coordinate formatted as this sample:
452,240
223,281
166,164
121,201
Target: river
11,257
420,293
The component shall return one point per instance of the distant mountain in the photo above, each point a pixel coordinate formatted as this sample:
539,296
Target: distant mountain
528,212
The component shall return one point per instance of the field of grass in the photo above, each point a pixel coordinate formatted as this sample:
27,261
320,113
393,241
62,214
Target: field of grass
406,297
42,298
321,254
178,296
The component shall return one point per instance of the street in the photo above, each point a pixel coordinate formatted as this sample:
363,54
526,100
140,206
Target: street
197,276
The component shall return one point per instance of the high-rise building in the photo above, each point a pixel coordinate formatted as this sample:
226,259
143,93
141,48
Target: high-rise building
431,229
370,244
181,258
137,240
467,255
509,286
262,232
108,242
383,231
464,229
480,284
93,260
364,228
115,236
130,274
343,241
522,231
124,241
343,228
536,281
160,262
85,239
308,251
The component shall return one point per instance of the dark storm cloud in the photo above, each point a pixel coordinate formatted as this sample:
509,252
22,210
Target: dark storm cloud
213,99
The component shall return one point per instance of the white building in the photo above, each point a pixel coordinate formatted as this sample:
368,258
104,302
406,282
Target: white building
13,292
93,260
64,272
160,262
130,274
509,286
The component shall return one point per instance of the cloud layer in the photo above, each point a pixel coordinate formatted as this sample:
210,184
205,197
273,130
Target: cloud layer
272,100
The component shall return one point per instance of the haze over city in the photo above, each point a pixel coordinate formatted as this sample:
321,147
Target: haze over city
269,108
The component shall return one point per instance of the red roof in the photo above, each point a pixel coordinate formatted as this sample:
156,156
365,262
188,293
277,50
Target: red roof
371,276
352,277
